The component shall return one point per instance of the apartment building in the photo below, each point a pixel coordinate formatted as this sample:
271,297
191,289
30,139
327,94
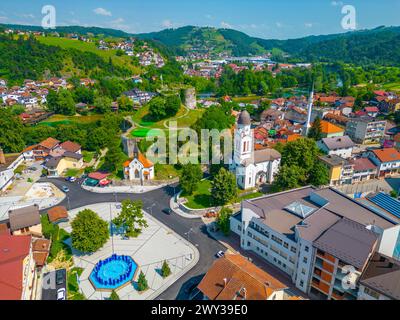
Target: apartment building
381,279
340,146
366,130
289,229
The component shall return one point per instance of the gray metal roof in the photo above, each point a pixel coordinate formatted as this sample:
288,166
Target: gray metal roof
24,217
349,241
338,143
383,275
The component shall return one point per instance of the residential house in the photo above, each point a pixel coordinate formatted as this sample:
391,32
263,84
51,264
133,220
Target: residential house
18,279
366,130
7,167
390,241
381,279
42,150
71,147
311,234
40,249
363,170
387,161
57,214
335,165
340,146
329,130
233,277
371,111
56,166
25,221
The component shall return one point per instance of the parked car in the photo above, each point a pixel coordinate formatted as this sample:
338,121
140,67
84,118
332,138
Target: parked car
72,179
60,276
167,211
32,168
220,254
65,188
61,294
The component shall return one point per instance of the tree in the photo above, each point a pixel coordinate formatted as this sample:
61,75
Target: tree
124,103
315,131
89,231
190,177
114,156
302,153
142,282
165,269
11,132
223,187
172,105
131,218
289,177
319,175
223,220
65,103
114,296
102,104
157,109
83,94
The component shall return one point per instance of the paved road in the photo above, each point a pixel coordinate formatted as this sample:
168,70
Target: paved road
153,203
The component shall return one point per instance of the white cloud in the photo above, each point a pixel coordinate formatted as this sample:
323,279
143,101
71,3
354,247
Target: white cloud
167,24
336,3
208,16
102,12
226,25
308,24
3,19
279,24
28,15
118,21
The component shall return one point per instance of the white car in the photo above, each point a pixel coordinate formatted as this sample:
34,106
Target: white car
61,294
220,254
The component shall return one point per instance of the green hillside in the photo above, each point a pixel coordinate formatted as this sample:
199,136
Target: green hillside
206,40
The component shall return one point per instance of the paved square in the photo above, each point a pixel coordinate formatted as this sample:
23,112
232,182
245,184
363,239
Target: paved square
156,244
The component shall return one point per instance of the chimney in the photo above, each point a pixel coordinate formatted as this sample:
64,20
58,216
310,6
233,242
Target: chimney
225,282
2,157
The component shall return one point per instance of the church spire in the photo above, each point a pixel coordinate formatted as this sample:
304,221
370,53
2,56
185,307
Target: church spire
309,111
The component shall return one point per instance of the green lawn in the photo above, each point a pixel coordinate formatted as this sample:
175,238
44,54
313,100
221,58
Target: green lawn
72,172
59,119
122,61
72,284
165,171
88,156
141,117
201,198
250,196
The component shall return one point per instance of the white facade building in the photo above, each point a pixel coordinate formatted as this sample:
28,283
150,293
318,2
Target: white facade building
252,167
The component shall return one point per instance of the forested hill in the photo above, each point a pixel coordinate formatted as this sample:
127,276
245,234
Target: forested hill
206,39
96,31
377,46
29,59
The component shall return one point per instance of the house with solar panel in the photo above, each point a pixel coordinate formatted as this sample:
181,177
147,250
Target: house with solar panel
315,236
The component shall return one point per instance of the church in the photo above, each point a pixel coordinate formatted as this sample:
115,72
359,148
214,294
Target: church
139,168
252,167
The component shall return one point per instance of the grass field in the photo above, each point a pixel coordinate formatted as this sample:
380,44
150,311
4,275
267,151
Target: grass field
394,86
201,198
122,61
184,121
59,119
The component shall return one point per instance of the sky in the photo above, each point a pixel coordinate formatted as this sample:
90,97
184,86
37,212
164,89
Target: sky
269,19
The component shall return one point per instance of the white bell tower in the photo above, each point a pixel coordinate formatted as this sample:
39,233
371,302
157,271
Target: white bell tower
243,140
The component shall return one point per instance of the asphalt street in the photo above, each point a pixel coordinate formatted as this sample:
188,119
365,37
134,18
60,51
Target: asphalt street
154,202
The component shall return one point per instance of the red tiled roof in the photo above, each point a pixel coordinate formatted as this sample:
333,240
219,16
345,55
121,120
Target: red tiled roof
13,251
57,213
230,274
387,155
98,175
49,143
363,164
70,146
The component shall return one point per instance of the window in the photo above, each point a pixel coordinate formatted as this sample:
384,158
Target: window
301,283
293,249
276,239
305,260
307,249
286,245
303,271
371,293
